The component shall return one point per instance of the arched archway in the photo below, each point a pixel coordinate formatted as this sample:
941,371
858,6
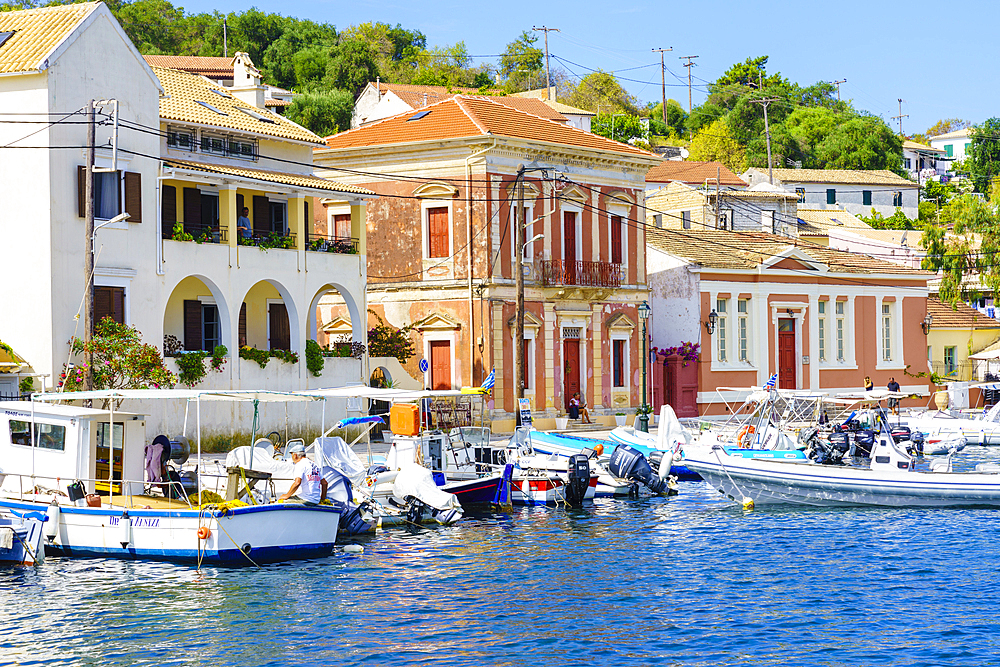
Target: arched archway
196,317
269,318
332,312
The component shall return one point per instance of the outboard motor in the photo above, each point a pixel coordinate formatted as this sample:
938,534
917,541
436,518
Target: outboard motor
863,443
916,443
656,460
579,479
832,451
629,463
354,522
900,433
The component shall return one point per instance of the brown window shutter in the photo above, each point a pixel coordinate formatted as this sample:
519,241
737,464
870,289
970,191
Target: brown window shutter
243,324
102,303
192,214
437,231
81,187
280,335
261,215
133,196
192,325
118,180
168,210
239,205
616,239
118,304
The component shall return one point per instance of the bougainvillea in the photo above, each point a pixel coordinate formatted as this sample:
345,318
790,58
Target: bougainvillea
121,361
688,351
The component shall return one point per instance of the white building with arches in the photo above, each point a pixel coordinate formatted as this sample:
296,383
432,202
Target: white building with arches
188,268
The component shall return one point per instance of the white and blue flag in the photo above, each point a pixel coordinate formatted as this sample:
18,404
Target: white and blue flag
490,380
772,383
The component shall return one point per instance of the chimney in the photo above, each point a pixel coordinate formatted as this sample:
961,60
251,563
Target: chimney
425,99
246,81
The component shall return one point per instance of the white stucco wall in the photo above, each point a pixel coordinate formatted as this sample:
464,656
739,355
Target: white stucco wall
675,297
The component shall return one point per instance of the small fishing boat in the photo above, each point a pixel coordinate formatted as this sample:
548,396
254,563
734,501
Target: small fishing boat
22,537
942,425
87,470
890,478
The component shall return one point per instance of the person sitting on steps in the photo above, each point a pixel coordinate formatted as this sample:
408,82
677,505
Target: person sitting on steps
578,410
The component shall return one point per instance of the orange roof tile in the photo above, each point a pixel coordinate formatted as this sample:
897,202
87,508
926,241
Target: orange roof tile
962,316
466,116
693,173
420,96
37,33
209,66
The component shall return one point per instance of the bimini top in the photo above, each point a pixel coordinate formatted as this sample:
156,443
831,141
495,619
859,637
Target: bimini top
175,394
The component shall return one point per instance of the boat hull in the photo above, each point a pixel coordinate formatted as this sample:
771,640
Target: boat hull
239,536
779,482
26,539
477,491
566,445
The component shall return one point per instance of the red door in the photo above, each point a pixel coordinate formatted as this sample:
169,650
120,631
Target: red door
569,248
786,354
440,364
571,370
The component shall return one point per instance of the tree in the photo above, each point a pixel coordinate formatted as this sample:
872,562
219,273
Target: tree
351,66
520,60
397,48
676,117
864,142
324,112
450,66
956,255
897,220
752,71
300,56
716,143
601,92
946,125
253,31
809,127
983,161
616,127
121,361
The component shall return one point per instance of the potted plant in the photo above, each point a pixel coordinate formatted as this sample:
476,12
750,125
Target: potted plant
620,418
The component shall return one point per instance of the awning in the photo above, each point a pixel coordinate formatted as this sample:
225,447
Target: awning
983,356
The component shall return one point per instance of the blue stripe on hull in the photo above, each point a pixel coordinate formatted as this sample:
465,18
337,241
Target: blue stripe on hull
483,493
230,557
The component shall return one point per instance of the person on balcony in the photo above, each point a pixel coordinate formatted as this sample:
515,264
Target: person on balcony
243,223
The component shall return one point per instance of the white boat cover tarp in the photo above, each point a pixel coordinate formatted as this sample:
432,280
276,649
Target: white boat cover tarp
337,454
417,481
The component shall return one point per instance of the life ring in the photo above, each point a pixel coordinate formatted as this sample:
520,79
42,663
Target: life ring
204,533
743,435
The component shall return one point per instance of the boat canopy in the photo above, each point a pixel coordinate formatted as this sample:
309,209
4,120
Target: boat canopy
177,394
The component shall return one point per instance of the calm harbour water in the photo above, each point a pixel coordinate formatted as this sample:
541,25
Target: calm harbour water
689,580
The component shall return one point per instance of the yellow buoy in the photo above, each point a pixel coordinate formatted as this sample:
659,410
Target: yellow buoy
747,503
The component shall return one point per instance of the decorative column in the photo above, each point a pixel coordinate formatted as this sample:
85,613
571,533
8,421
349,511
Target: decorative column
551,339
499,400
597,335
228,213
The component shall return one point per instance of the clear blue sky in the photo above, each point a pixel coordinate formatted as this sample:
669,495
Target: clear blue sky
940,58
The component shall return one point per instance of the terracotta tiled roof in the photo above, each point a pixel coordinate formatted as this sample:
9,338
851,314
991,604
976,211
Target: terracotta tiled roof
37,32
187,95
845,176
962,316
717,249
957,134
210,66
296,180
914,146
419,96
277,103
532,106
693,173
466,116
818,221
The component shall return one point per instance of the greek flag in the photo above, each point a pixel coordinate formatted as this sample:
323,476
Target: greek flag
490,380
772,382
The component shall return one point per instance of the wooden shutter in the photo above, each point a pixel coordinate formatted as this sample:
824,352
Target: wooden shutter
243,324
280,336
192,325
109,302
616,239
440,364
168,210
437,232
239,206
192,215
261,215
342,226
133,196
81,188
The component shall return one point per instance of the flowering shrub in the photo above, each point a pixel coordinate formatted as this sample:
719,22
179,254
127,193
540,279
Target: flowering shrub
385,341
687,351
121,361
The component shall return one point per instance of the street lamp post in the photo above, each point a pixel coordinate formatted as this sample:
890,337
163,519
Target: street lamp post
644,311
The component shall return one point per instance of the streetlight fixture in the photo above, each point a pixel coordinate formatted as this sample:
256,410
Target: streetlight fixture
713,317
644,312
926,324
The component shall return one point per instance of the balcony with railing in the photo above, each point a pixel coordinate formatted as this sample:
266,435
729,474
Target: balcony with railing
341,245
197,233
581,274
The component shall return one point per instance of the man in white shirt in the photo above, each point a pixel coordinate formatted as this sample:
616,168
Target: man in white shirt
309,486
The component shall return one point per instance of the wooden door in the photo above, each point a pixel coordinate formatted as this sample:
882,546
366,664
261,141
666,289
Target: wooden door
279,335
437,232
569,248
786,354
571,369
440,364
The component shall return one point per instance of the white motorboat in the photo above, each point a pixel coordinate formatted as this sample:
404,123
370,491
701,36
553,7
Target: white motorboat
85,469
941,426
22,537
890,479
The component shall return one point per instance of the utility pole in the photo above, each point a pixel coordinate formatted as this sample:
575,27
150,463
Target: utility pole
718,177
88,215
837,84
519,282
225,39
663,80
764,102
901,116
548,84
689,64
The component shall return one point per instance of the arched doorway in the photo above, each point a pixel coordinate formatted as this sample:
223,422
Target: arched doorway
196,318
268,318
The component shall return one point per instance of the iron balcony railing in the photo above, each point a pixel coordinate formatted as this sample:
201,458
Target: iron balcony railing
584,274
198,233
332,243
